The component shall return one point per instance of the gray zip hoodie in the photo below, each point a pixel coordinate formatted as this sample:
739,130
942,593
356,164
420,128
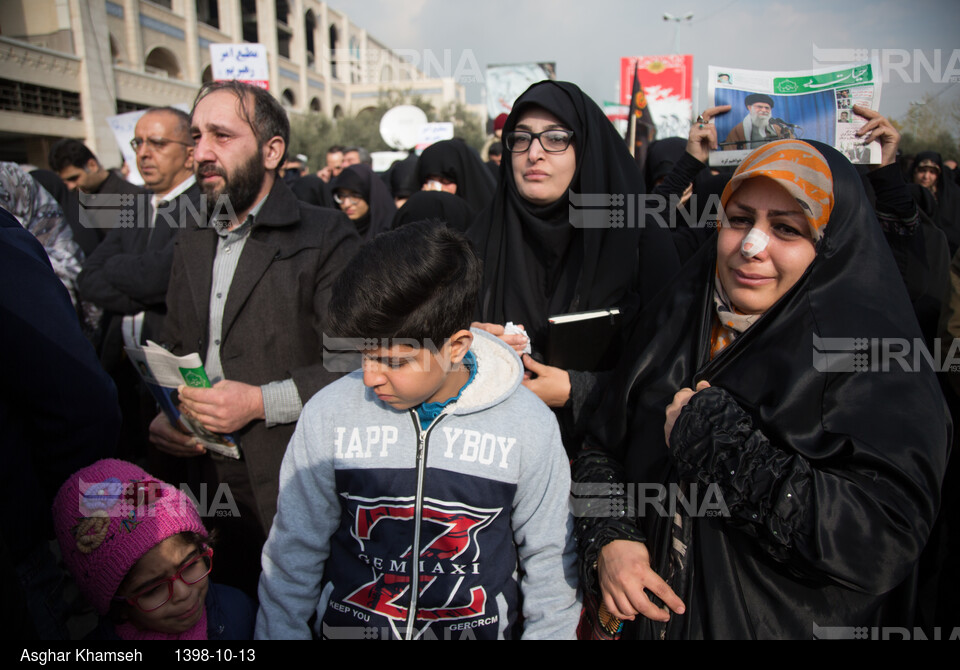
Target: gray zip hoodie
474,510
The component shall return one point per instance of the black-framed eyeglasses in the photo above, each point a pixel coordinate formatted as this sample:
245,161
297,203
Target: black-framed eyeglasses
553,141
155,143
159,593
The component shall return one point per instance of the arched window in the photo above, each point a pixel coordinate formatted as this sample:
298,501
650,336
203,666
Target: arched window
288,99
161,61
315,105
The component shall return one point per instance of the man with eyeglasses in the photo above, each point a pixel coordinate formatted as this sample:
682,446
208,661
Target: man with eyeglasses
128,273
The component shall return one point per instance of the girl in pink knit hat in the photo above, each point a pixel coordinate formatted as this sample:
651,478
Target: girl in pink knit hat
138,551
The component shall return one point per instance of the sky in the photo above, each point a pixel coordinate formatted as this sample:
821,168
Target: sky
586,39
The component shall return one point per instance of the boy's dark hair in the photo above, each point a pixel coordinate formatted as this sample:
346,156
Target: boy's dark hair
337,149
269,118
419,282
67,152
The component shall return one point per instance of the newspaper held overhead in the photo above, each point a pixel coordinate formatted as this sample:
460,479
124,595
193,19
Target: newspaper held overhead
804,104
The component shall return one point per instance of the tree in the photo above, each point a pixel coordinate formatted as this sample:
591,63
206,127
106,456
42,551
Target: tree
465,125
930,125
311,135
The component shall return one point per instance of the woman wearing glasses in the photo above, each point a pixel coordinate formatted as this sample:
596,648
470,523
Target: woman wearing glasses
540,258
365,199
139,554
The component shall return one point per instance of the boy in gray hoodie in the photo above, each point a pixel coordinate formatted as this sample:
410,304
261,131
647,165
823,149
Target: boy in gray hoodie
424,496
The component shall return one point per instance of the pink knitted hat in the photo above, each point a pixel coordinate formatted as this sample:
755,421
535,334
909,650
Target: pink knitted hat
107,516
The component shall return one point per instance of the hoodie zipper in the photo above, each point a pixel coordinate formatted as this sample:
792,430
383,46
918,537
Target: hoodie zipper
422,436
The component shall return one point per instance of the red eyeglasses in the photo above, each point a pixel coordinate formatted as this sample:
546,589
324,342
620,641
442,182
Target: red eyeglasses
159,593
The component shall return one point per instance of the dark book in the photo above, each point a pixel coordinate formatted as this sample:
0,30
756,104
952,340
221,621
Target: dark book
584,340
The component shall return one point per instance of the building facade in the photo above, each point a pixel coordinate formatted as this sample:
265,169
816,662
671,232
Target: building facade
67,65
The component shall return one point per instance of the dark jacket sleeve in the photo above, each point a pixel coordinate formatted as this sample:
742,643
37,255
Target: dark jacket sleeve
171,336
601,509
94,284
824,520
687,239
143,277
342,244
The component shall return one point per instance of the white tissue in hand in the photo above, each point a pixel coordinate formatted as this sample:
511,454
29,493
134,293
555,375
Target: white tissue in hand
513,329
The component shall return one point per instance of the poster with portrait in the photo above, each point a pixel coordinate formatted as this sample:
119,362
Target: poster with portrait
807,105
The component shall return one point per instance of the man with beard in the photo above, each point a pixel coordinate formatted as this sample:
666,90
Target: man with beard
249,293
756,127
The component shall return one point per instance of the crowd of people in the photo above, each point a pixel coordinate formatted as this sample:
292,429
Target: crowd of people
771,368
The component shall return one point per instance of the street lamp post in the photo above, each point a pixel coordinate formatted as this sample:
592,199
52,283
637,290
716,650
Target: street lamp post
677,20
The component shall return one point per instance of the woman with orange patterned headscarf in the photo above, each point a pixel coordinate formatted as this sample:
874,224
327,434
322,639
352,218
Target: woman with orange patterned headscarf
799,469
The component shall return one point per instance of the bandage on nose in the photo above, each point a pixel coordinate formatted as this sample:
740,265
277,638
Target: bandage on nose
755,242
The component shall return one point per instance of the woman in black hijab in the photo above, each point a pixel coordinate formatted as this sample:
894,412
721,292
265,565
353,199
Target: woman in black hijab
540,259
801,464
928,171
365,200
454,167
435,205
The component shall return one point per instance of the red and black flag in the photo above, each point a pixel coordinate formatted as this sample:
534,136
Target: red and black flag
641,129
